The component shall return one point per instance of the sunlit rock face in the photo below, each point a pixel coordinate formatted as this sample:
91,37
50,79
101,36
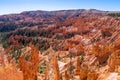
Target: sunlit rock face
114,61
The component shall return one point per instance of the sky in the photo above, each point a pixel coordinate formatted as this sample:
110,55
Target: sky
17,6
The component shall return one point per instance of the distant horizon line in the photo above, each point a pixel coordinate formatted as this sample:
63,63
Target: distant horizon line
57,10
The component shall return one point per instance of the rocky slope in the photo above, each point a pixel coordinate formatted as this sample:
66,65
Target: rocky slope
71,45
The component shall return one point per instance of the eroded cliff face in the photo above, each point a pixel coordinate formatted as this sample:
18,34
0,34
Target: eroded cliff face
114,61
114,58
70,46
